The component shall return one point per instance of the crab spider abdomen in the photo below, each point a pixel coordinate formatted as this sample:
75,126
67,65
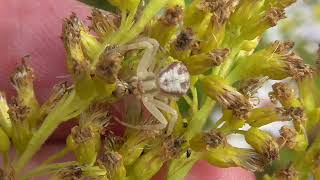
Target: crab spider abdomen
174,79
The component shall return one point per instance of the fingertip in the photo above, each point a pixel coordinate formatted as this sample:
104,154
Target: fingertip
33,27
204,171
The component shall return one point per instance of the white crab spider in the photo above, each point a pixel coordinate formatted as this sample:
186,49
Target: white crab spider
154,88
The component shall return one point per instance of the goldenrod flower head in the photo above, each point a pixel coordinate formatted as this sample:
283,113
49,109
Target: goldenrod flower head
112,161
184,40
79,172
71,37
263,143
227,96
79,43
283,93
221,9
205,141
277,62
104,23
109,66
172,147
262,116
58,92
200,63
288,173
22,80
250,87
85,140
287,137
21,130
228,156
172,16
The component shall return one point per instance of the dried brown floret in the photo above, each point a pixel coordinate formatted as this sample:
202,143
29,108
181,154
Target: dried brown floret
110,159
104,23
273,15
214,138
81,135
221,9
184,40
109,66
287,137
18,112
172,147
288,173
250,87
72,172
218,56
297,69
71,28
283,47
293,64
59,90
236,102
23,76
227,96
172,16
281,91
271,151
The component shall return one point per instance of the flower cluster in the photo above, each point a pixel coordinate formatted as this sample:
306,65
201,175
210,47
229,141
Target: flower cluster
164,66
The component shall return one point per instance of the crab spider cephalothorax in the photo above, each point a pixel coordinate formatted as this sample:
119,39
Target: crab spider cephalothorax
155,89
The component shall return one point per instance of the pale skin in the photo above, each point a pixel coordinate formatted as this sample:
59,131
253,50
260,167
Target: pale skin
20,22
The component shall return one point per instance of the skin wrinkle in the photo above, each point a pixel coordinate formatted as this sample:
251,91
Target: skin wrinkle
33,27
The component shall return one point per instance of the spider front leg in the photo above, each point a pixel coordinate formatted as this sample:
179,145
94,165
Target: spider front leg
166,108
155,112
147,61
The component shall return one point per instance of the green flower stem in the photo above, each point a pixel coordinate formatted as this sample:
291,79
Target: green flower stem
227,66
199,118
71,105
46,169
179,168
195,99
303,164
56,156
152,8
